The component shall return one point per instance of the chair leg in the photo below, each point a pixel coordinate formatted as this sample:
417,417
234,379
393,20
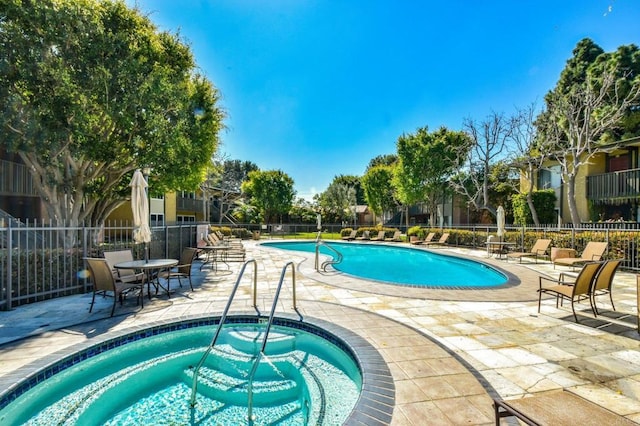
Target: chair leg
592,302
93,299
113,307
190,284
539,299
611,298
574,312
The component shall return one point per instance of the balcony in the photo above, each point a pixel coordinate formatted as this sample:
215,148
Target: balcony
189,204
15,179
619,186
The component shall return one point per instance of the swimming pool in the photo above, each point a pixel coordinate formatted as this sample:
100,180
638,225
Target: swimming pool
309,376
404,265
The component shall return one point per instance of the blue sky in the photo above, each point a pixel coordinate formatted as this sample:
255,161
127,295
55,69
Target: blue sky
319,88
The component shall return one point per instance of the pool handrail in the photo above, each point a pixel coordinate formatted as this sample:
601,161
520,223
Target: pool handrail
326,262
266,334
194,384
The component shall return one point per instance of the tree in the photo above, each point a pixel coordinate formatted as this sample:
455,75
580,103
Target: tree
303,211
596,95
383,160
227,180
353,182
488,139
377,189
338,202
271,192
528,157
425,163
90,91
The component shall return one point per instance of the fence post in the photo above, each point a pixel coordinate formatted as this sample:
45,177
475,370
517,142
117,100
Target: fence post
9,287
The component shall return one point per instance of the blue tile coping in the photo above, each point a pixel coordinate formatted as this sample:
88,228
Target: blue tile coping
374,406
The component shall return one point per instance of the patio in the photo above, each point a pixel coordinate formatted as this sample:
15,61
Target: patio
449,351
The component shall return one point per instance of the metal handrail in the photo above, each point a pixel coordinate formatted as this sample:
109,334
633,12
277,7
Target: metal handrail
266,335
194,384
329,262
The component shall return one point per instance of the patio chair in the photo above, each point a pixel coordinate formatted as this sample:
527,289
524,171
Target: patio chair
428,239
182,269
591,253
577,290
604,281
123,275
379,237
557,408
364,236
351,236
538,250
442,241
104,282
397,237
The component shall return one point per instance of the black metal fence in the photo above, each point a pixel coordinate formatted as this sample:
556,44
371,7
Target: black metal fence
39,261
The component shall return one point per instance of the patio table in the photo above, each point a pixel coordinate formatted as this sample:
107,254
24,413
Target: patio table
215,254
149,266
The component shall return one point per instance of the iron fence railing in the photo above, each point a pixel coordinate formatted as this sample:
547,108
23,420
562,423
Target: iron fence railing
39,261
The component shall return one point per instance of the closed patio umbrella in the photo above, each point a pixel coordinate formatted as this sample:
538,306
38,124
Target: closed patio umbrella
140,209
500,220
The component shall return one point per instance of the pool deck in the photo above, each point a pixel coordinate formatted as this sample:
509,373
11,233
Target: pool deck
449,351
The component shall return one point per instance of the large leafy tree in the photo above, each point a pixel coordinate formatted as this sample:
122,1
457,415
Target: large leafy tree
351,181
596,99
425,163
225,180
271,192
378,191
337,203
90,90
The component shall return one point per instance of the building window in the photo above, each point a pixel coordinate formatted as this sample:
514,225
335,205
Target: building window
157,219
186,219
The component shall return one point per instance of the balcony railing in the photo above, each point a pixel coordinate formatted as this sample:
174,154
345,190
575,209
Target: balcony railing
189,204
622,185
15,179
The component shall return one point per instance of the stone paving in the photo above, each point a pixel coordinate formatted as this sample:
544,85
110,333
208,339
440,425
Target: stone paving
449,351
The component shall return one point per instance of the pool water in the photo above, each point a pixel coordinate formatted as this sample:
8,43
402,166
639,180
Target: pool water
403,265
303,379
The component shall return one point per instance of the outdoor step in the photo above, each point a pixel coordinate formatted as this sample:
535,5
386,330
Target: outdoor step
216,385
79,407
250,341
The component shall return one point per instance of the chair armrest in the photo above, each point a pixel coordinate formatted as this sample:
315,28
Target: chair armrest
559,280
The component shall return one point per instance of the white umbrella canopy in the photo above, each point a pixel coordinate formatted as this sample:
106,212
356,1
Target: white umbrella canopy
500,220
140,208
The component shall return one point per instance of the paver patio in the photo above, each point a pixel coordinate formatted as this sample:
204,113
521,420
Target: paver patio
449,351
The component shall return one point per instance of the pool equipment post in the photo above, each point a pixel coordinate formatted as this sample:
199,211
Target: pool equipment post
194,384
274,305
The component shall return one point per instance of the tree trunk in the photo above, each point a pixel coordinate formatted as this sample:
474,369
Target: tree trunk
532,207
571,199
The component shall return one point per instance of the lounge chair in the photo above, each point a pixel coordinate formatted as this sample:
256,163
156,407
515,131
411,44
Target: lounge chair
604,281
428,239
351,236
538,250
442,241
380,236
397,237
579,289
182,269
364,236
591,253
104,282
557,408
123,275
